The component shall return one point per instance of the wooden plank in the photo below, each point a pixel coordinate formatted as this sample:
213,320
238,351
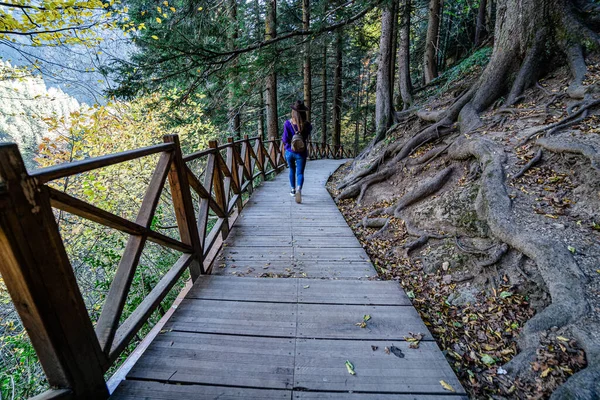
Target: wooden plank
202,192
213,359
198,154
184,208
40,279
142,390
249,289
134,322
339,321
252,230
234,240
352,292
320,365
235,318
299,395
259,254
295,269
308,242
331,254
323,231
44,175
119,288
74,206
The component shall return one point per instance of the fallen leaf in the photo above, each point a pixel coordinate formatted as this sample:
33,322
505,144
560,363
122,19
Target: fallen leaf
571,249
447,386
562,338
306,287
487,359
387,350
504,295
350,368
374,348
366,317
362,324
545,372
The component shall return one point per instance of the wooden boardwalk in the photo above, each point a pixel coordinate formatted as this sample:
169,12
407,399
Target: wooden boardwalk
240,335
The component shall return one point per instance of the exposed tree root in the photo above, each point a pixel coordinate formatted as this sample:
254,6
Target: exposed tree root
569,120
526,76
414,231
531,163
495,256
426,189
460,246
558,145
574,53
382,231
556,264
374,222
359,183
415,244
430,116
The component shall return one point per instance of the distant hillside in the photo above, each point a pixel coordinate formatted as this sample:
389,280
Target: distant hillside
25,101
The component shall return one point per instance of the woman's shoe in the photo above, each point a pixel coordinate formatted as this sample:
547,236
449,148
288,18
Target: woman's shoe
293,192
298,196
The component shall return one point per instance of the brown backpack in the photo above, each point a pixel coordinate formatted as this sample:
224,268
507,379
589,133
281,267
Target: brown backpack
297,144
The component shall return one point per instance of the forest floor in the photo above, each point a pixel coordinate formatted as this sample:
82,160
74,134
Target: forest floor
474,292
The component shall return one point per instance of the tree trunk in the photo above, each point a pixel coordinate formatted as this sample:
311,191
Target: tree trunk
357,110
307,68
271,32
324,103
430,64
367,112
394,47
383,100
233,111
337,92
404,82
480,28
261,117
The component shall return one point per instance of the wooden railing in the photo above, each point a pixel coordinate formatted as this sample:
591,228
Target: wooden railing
40,279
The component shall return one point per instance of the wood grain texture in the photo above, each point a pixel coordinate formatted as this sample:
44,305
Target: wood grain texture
320,365
217,359
237,318
340,321
322,291
249,289
141,390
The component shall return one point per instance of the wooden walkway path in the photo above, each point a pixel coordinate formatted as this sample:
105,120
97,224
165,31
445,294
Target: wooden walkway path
239,335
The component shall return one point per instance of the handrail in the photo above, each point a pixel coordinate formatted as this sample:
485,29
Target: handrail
63,170
40,278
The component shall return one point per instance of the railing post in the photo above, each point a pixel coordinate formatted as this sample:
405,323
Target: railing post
234,182
260,157
219,188
184,207
247,159
42,284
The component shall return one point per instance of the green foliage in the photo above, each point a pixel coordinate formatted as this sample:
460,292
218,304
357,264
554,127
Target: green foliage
474,62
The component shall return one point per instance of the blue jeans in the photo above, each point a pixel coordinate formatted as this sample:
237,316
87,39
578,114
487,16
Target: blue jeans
297,163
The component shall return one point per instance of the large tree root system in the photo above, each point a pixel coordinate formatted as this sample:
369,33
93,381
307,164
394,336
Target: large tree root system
556,264
558,145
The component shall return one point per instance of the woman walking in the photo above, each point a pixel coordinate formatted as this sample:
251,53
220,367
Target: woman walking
296,134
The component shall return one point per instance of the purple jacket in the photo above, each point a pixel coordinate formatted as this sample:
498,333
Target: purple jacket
288,134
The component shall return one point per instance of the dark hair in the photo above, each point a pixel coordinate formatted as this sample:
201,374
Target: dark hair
299,115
